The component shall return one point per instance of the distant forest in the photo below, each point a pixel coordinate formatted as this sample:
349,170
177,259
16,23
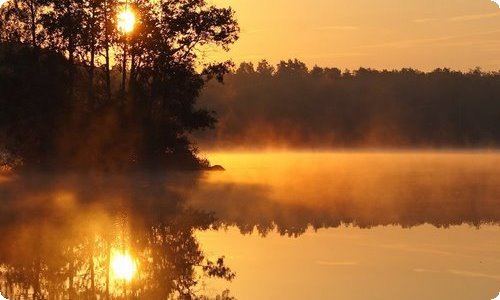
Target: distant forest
289,105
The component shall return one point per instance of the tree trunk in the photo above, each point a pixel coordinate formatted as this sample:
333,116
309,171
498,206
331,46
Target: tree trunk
91,104
91,80
71,55
124,71
108,76
32,7
106,49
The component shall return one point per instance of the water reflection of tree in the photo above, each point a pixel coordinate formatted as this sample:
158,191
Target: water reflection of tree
59,234
441,203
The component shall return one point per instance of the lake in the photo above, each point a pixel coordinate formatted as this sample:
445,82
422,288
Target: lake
289,225
357,225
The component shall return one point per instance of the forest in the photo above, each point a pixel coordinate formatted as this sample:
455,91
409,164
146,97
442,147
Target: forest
78,90
290,105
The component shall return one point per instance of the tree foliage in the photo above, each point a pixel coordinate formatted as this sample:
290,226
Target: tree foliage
142,121
291,105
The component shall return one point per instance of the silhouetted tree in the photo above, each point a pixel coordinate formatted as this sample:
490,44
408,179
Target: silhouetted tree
291,68
164,81
245,69
147,125
33,102
21,21
265,68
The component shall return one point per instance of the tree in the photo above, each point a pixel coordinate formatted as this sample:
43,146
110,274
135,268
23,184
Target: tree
147,125
93,26
292,68
164,81
245,69
265,68
21,21
34,102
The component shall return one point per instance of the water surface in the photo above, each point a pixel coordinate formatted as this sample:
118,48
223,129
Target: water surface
343,225
355,226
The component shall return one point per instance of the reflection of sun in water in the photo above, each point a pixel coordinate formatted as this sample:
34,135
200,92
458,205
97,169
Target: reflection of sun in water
126,20
123,266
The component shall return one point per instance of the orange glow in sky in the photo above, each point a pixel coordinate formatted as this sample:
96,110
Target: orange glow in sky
423,34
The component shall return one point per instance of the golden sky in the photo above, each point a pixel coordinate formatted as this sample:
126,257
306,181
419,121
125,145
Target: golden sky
424,34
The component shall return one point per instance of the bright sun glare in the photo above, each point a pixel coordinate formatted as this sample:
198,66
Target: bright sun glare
126,20
123,266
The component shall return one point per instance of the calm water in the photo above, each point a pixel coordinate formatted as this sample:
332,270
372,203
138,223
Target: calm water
290,225
357,225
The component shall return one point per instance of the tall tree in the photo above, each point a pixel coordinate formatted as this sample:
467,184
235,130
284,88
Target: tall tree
63,20
21,21
109,9
166,74
93,26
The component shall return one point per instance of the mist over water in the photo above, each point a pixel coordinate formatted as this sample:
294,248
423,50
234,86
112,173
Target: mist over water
356,225
61,232
339,216
293,190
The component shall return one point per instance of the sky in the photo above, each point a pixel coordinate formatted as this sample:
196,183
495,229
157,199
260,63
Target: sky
381,34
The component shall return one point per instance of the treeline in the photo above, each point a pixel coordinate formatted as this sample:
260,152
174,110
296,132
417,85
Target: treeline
78,92
289,105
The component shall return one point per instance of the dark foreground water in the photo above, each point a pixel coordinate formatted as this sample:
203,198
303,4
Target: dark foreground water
290,225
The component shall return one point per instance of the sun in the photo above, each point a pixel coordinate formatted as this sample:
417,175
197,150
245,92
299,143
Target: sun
123,266
126,20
